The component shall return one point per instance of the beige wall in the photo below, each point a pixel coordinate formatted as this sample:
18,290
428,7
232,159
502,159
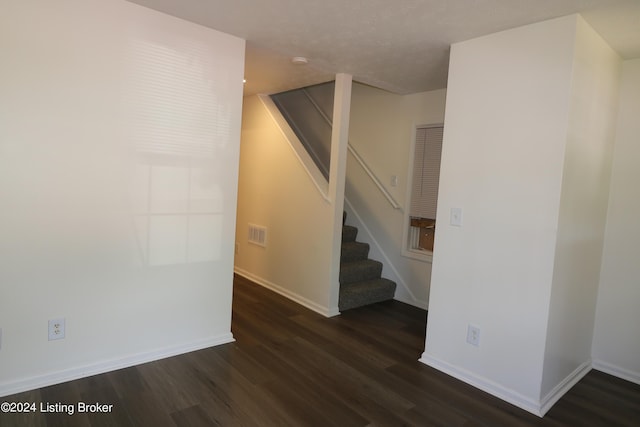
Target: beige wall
275,191
118,187
616,342
382,131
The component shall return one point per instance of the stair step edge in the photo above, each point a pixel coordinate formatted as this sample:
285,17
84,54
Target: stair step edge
363,293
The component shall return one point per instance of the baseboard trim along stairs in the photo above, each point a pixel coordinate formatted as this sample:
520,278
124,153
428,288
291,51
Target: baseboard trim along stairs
361,281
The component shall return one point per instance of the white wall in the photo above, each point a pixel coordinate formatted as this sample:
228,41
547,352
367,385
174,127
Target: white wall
275,191
583,208
506,122
119,142
616,342
382,131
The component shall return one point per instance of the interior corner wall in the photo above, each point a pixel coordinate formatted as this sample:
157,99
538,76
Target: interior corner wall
276,192
381,130
583,210
506,121
119,142
616,342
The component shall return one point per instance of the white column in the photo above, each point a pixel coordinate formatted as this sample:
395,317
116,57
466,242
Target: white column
337,175
526,156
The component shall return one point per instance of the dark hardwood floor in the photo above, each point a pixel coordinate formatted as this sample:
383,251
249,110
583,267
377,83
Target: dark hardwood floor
292,367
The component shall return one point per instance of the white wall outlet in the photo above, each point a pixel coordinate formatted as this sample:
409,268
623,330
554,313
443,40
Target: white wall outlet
456,217
394,180
473,335
56,329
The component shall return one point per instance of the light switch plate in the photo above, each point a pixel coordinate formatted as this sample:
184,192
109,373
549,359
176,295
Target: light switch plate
456,217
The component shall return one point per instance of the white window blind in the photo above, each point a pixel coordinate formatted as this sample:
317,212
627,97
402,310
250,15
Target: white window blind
426,172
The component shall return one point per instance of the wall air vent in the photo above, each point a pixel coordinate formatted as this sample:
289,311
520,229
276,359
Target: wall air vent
258,235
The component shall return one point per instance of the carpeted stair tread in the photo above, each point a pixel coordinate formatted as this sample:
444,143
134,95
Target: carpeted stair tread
362,293
360,278
349,233
354,251
358,271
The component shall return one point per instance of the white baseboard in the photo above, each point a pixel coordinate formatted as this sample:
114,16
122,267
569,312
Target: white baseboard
103,366
327,312
536,407
407,299
564,386
616,371
508,395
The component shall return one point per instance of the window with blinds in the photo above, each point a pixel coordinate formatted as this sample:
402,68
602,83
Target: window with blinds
426,172
424,190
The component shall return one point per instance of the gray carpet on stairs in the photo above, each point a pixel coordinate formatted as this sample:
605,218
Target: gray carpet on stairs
360,277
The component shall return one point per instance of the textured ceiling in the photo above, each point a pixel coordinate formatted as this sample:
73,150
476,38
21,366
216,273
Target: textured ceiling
398,45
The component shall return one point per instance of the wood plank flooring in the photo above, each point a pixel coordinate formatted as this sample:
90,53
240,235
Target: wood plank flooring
292,367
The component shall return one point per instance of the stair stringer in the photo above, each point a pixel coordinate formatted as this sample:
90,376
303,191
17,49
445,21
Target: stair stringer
298,148
403,292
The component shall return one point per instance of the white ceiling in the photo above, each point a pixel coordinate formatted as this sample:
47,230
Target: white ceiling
398,45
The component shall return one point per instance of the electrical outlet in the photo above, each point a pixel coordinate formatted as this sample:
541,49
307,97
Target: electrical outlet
56,329
473,335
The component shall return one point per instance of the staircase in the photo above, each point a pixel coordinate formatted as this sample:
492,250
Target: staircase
360,277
